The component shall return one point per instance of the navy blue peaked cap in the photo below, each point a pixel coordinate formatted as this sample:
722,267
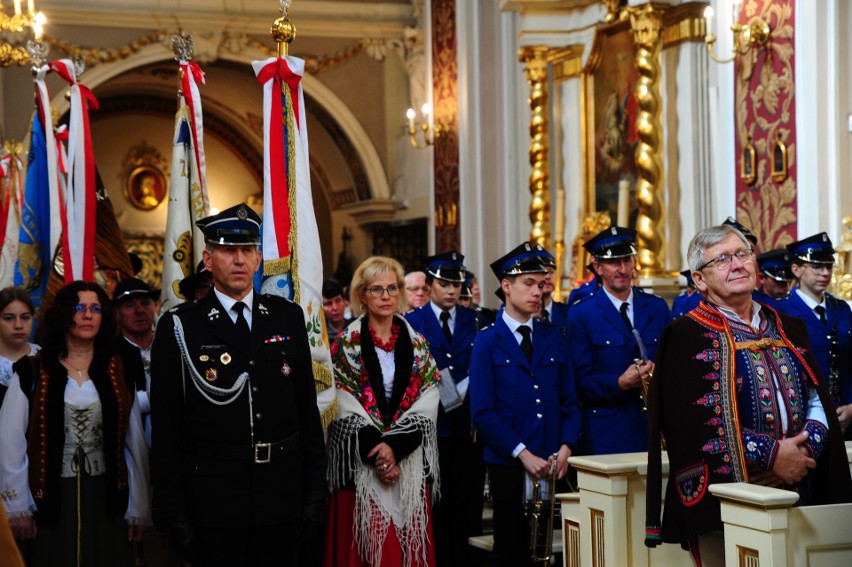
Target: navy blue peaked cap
447,266
235,226
731,221
817,249
612,242
775,264
523,259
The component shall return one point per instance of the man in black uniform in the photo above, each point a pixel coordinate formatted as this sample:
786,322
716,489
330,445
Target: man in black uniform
239,470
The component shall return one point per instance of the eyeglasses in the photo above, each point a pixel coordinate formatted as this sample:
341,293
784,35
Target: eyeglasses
415,289
378,292
722,261
818,268
93,309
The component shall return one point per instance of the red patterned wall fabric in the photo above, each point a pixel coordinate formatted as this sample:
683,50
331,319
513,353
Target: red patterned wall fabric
766,114
446,104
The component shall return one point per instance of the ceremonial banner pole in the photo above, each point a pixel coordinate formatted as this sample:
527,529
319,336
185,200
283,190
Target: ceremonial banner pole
78,220
292,265
41,226
188,200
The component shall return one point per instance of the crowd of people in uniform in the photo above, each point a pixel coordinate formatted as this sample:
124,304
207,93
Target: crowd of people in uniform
205,424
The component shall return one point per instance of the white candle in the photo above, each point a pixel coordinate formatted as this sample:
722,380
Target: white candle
708,20
17,7
29,6
560,215
410,115
623,202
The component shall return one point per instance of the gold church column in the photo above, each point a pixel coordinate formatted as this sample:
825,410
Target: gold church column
647,22
535,58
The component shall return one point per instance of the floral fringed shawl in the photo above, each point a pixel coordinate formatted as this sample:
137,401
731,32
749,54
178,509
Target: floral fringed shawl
377,505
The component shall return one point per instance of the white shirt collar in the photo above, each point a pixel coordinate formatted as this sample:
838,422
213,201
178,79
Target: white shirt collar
228,302
513,324
809,301
437,311
617,302
732,315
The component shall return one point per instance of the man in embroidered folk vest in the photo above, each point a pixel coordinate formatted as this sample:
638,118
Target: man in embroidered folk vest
240,467
738,397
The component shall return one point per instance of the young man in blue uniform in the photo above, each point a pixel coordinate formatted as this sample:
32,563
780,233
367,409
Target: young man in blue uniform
450,330
827,318
523,400
552,312
239,475
775,274
608,363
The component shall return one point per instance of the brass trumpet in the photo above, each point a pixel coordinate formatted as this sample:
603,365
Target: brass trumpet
541,513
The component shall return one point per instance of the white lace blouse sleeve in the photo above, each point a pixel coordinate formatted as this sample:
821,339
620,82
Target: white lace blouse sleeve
14,464
136,457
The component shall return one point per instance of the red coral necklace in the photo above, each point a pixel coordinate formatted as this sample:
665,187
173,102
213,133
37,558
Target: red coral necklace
385,346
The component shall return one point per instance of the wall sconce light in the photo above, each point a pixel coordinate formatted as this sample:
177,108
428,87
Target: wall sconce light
430,133
16,22
746,36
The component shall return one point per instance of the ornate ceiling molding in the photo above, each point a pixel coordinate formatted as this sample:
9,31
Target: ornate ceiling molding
312,18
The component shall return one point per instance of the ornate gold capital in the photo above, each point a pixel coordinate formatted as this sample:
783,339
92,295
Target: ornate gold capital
647,23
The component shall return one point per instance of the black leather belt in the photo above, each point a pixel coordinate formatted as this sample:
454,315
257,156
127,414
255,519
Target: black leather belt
259,453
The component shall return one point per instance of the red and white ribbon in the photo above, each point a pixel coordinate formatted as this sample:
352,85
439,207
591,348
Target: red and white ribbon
192,75
78,241
276,219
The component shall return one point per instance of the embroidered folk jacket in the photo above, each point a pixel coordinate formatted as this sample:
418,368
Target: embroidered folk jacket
713,400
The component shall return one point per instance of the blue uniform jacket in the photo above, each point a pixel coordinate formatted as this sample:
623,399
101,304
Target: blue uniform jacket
838,314
583,291
601,348
684,303
514,401
559,317
454,356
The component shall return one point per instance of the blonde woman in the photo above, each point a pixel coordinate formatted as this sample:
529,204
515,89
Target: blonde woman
382,447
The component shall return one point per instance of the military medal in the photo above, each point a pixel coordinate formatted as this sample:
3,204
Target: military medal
225,358
203,358
210,375
285,369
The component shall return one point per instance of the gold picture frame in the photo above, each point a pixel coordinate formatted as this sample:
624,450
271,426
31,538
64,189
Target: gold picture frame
609,120
146,187
748,164
779,160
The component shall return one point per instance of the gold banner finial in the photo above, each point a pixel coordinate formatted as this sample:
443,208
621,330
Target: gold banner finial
283,30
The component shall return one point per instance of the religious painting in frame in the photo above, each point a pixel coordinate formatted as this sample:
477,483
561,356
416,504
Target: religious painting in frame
609,123
146,187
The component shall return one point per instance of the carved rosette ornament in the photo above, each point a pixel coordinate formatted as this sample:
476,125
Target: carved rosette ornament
535,58
647,23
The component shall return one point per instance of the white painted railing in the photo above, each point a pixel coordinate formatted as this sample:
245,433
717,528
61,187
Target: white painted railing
603,525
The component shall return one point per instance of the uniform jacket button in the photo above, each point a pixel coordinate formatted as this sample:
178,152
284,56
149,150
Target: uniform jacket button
449,355
535,387
538,402
258,415
538,415
251,363
254,388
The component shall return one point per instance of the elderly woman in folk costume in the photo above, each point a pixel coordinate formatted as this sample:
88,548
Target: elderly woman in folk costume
383,461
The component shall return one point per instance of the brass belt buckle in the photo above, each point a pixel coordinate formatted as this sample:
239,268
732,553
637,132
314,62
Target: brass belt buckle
262,453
